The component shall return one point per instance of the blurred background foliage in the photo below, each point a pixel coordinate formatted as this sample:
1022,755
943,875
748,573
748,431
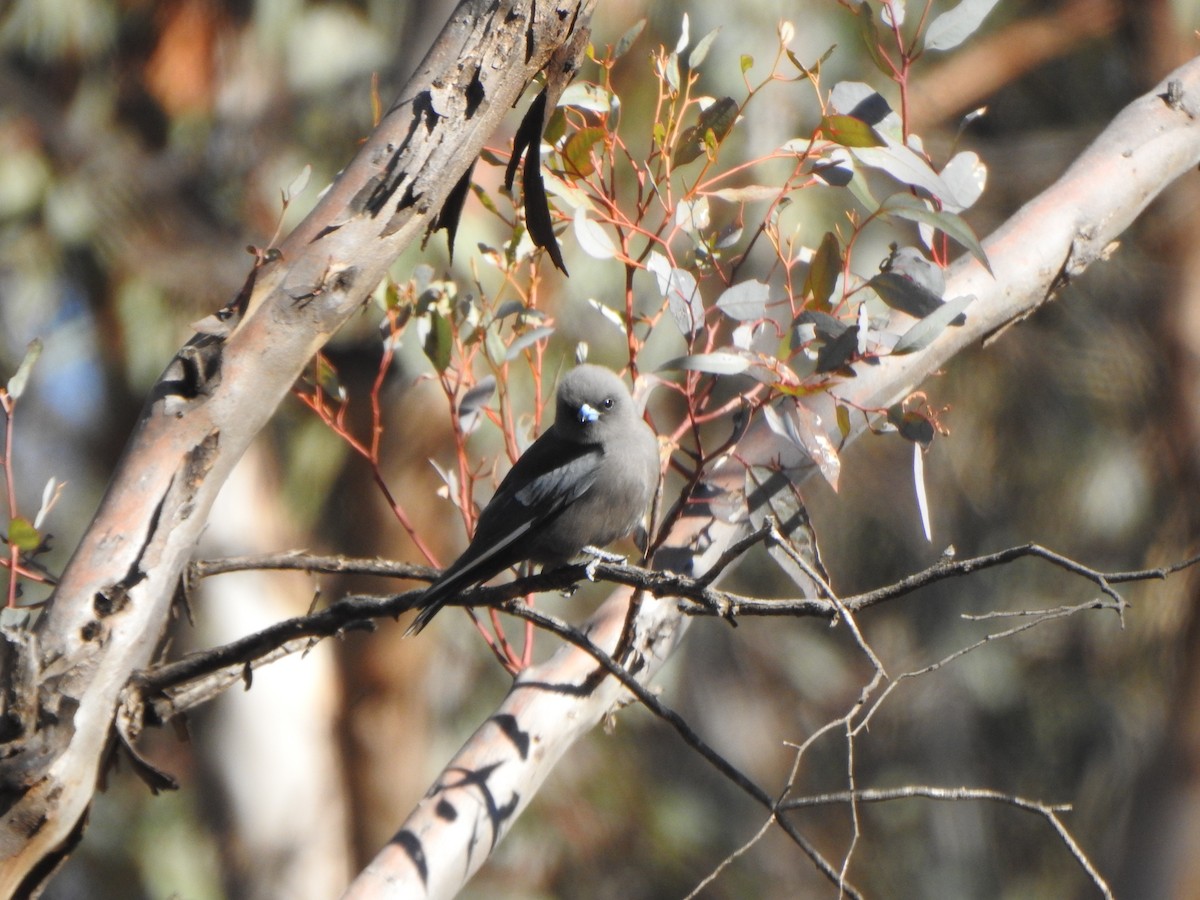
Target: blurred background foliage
144,145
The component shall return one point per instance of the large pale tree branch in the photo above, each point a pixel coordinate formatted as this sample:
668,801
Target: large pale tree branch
1071,225
63,680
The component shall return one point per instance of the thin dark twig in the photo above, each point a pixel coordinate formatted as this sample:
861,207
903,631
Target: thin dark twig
1047,811
697,598
693,740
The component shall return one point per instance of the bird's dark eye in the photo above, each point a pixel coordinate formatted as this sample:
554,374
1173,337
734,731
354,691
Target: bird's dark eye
608,403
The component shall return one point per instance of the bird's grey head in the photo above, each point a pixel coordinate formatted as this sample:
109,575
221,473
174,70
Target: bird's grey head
592,403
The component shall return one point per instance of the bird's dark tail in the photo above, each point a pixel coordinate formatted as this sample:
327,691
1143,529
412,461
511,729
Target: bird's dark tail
429,608
435,597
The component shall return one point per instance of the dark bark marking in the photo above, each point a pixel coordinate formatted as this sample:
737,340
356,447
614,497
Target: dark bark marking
530,37
411,844
196,369
423,106
508,727
474,94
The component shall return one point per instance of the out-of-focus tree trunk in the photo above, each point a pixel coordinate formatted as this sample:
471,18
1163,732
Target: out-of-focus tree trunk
271,754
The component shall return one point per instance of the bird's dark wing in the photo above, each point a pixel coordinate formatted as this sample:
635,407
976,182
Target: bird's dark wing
545,480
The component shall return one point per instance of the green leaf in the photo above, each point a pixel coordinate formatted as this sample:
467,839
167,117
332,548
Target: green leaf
849,131
843,421
439,342
718,119
577,151
813,71
906,206
747,62
836,354
16,384
22,535
902,293
17,617
922,334
955,25
823,271
865,19
745,301
556,127
628,38
672,73
327,377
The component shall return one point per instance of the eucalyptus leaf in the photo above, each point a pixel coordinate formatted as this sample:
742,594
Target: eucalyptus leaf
849,131
906,206
439,341
17,384
924,332
955,25
577,151
715,363
528,339
905,166
470,408
700,51
585,95
592,238
745,301
628,38
681,291
22,534
824,270
902,293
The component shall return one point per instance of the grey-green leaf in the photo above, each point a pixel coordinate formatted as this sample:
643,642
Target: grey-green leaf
717,363
16,384
745,301
922,334
955,25
906,206
628,38
700,51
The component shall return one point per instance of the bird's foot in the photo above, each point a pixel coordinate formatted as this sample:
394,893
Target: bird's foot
598,556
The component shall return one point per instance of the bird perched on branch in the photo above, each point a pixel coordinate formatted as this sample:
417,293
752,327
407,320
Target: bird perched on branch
586,482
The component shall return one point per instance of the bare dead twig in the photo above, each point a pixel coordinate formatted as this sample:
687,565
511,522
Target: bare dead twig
696,597
1049,812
